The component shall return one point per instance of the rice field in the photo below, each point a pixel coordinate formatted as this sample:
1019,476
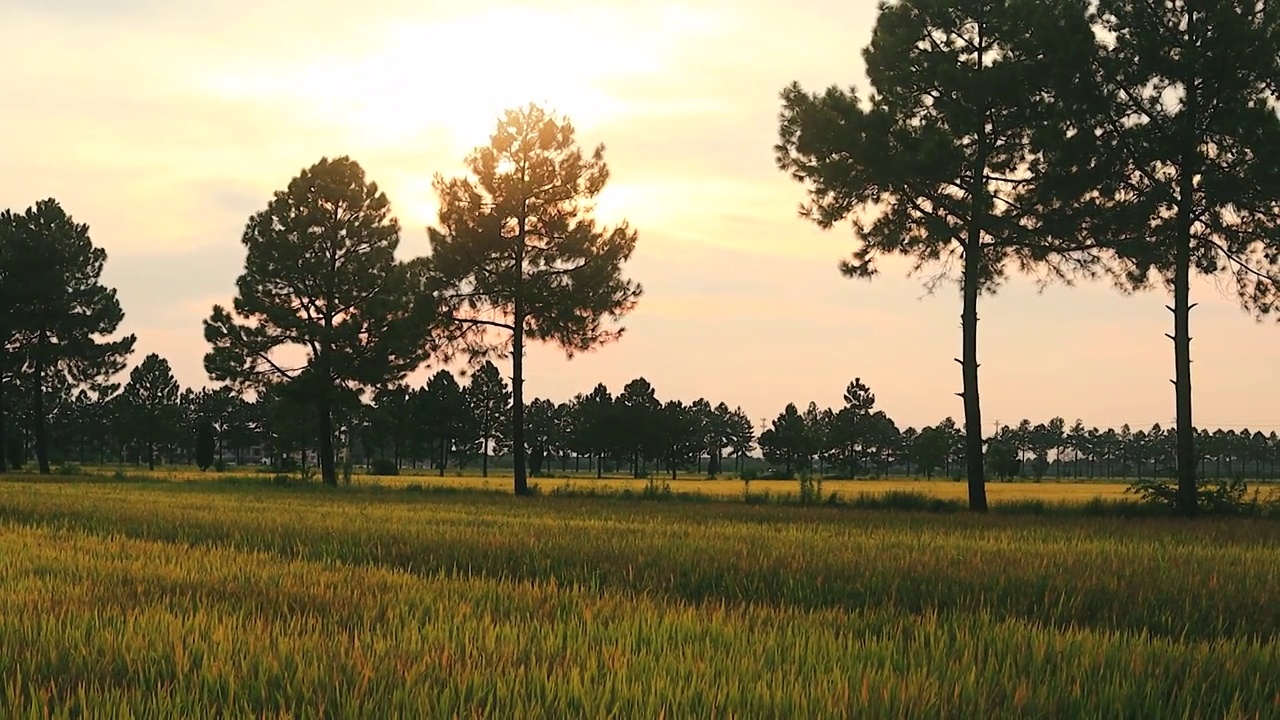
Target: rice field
201,599
1049,490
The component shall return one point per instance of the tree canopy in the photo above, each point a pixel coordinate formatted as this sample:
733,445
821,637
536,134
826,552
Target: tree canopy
59,315
323,302
151,408
520,255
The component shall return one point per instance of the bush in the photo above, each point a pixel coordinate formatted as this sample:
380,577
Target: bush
810,490
906,500
69,469
383,467
1221,497
220,465
653,490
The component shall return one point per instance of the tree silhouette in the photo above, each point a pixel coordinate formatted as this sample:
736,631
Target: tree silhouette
321,280
206,446
943,160
489,403
443,407
391,418
638,414
151,405
678,427
596,415
741,436
58,310
542,431
520,254
850,431
1182,176
786,441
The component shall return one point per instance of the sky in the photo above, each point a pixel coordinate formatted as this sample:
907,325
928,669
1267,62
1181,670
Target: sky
164,124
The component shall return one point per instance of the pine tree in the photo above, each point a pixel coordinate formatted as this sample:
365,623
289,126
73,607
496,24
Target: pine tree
321,280
520,255
1180,175
59,312
489,403
943,162
153,412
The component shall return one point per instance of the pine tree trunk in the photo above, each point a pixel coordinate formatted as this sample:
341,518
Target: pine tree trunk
484,458
328,474
42,429
4,430
969,365
1186,451
517,365
151,456
1186,462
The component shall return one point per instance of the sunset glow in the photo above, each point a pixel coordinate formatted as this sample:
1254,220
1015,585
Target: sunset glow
172,123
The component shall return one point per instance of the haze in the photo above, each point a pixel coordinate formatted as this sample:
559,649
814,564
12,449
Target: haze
164,125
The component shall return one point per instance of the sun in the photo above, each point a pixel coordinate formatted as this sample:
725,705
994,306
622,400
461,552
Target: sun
427,88
451,77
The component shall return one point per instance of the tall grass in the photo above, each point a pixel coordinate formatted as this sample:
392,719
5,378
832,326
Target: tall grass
163,600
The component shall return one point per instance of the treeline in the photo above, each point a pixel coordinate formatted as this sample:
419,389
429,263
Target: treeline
448,423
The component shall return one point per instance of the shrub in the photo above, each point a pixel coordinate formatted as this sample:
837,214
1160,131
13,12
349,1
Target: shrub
1221,497
384,467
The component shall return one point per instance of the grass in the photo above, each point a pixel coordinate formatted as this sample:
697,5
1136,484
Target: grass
1049,490
181,599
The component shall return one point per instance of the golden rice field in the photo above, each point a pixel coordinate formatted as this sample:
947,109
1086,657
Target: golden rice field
1049,490
206,599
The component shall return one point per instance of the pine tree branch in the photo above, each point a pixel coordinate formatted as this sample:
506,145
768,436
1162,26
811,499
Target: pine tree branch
1235,260
479,321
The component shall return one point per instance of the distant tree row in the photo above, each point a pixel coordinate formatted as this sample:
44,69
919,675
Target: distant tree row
1060,138
446,424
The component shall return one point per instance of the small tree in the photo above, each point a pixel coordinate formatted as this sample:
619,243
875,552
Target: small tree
57,312
678,425
787,440
205,446
321,281
637,428
521,256
443,407
151,405
489,403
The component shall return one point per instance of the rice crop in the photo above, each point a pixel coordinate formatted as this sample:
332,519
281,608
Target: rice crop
177,599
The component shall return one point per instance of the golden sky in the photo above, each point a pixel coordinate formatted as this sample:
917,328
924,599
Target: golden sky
165,123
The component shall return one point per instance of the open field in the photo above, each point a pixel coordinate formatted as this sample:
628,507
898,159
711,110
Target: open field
180,599
1048,490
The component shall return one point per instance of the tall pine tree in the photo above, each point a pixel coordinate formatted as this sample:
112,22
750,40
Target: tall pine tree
1177,165
522,257
942,161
